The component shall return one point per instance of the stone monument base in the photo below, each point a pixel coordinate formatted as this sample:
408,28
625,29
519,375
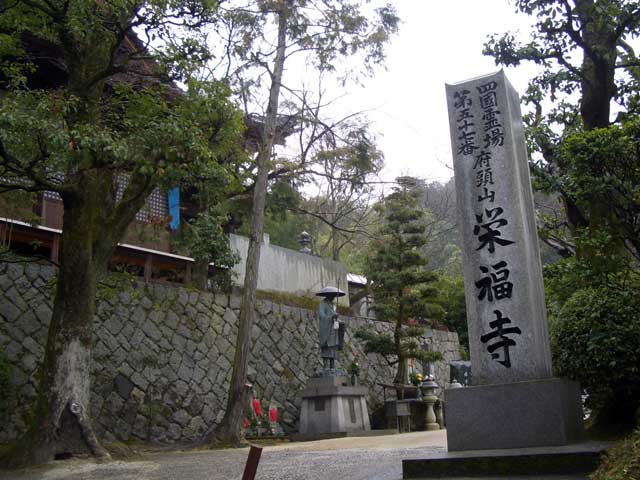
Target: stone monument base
332,408
539,461
535,413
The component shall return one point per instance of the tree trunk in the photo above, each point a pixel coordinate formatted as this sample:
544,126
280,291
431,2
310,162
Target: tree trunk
62,424
401,372
335,238
597,86
598,66
92,226
335,244
228,431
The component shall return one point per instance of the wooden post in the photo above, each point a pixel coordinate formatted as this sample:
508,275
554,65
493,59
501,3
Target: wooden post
55,249
251,467
147,267
187,273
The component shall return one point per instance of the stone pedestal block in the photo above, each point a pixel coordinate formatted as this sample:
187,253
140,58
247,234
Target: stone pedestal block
534,413
331,407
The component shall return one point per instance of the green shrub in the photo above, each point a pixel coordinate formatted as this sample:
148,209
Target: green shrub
452,299
595,339
622,461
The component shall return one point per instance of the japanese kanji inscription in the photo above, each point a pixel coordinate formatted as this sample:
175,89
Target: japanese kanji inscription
503,277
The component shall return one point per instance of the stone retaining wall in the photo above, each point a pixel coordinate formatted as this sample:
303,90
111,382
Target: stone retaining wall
162,355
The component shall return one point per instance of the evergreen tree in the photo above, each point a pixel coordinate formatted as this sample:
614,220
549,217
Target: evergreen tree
403,290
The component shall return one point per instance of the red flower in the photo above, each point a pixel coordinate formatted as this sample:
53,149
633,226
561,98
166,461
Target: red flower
273,415
245,423
257,407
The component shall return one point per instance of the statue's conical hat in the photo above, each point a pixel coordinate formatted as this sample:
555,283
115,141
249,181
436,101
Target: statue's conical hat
330,292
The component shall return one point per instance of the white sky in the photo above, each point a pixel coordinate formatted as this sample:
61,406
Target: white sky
439,42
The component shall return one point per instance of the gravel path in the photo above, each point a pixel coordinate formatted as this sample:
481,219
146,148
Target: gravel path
358,458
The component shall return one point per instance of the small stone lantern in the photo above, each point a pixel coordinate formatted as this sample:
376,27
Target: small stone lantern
455,384
305,241
429,389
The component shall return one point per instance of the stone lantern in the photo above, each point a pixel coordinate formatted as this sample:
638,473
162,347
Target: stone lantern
305,242
429,389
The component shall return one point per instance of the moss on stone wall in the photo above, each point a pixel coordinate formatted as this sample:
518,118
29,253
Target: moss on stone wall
5,388
289,299
309,303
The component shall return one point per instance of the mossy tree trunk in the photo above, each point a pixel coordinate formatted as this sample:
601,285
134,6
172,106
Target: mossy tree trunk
75,137
94,220
62,422
92,226
599,42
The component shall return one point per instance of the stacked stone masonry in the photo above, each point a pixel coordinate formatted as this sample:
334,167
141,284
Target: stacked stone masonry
162,355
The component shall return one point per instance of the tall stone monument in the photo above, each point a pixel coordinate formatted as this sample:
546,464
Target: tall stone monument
514,401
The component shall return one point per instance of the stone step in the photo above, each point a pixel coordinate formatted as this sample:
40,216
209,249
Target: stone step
569,459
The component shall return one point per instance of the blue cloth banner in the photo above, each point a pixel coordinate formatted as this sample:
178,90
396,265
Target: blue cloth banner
173,198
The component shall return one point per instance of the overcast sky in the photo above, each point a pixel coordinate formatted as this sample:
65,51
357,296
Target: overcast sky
439,42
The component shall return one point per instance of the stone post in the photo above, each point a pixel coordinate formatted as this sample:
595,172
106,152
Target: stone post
506,315
429,397
503,276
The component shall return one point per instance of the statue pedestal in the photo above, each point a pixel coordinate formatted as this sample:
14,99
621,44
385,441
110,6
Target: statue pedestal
332,408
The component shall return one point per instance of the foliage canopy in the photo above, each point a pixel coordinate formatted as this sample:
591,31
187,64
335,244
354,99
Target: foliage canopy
88,111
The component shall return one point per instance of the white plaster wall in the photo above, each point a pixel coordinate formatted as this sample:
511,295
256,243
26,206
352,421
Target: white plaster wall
285,270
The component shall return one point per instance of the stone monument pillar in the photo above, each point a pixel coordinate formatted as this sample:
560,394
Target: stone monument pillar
514,401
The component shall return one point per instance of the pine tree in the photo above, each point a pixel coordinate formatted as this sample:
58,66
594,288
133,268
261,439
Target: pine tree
403,290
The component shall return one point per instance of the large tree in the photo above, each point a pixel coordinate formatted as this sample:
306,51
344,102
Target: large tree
262,38
87,112
584,50
589,158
